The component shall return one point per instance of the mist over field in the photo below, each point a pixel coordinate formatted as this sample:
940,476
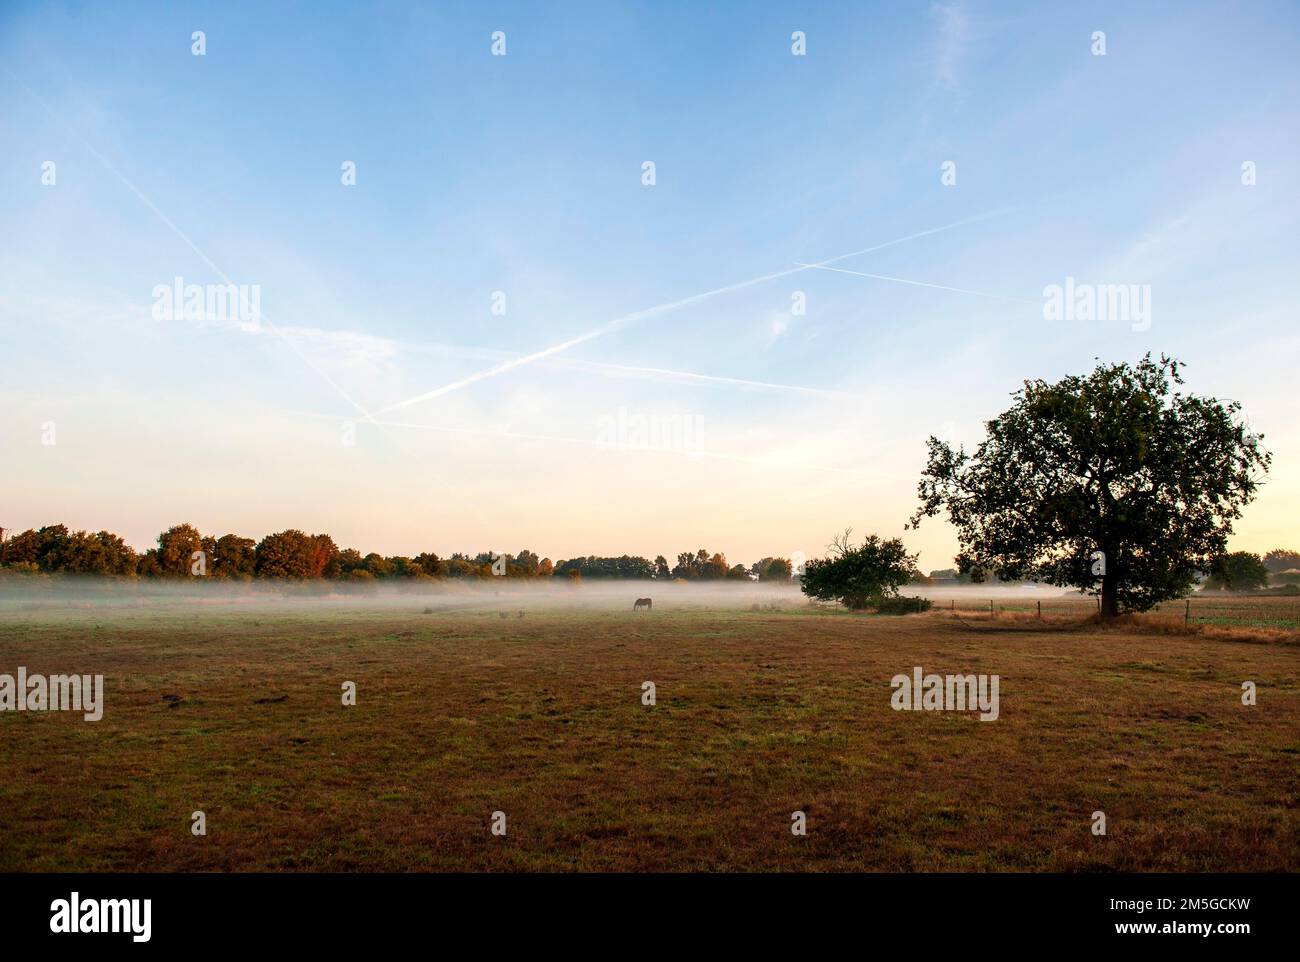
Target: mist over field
446,595
443,595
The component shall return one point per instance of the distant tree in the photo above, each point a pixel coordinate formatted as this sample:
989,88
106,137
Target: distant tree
1115,482
26,548
378,565
147,566
738,573
1280,559
458,566
400,566
686,566
627,567
324,556
859,576
776,570
431,564
103,553
44,547
55,549
1237,571
350,561
176,547
545,568
292,555
524,564
234,558
780,570
662,571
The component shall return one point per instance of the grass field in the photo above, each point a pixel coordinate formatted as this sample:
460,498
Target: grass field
759,713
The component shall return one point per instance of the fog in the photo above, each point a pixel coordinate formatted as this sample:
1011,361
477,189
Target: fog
104,594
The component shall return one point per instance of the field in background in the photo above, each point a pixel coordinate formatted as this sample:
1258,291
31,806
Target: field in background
533,707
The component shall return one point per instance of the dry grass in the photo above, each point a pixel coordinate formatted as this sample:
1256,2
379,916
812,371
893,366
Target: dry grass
758,714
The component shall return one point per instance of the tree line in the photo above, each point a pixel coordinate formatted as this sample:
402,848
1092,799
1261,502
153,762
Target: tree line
292,555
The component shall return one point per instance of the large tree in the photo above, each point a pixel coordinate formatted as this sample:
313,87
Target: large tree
1116,482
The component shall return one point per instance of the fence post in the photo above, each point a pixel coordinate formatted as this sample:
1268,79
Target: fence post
1187,615
1040,609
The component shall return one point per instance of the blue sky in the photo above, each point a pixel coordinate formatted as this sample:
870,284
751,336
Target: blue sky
523,174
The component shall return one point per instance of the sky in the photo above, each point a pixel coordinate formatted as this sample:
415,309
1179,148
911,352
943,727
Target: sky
510,333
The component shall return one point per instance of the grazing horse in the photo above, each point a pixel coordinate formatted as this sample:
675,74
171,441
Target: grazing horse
642,603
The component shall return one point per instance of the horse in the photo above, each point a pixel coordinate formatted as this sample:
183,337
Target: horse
642,603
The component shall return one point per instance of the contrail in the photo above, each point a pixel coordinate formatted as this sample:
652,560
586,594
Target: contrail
618,322
904,280
365,415
658,372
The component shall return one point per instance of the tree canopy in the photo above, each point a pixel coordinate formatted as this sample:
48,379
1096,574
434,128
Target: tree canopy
1116,482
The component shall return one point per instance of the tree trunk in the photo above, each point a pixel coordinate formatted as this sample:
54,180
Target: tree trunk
1109,597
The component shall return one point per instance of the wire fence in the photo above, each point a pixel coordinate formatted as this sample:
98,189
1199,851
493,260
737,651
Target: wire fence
1246,611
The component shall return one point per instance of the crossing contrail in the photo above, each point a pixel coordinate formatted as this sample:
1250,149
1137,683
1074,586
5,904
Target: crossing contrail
641,315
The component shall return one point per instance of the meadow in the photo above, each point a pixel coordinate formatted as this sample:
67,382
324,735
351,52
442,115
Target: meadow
763,707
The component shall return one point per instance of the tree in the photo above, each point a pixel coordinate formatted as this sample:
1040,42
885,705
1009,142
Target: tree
43,547
700,565
378,565
54,548
176,547
1237,571
777,570
295,556
324,556
523,565
430,563
859,577
686,566
627,566
662,570
235,558
1280,559
402,567
350,561
102,553
1115,482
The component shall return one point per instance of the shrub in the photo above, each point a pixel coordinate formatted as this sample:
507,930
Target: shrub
860,576
903,605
